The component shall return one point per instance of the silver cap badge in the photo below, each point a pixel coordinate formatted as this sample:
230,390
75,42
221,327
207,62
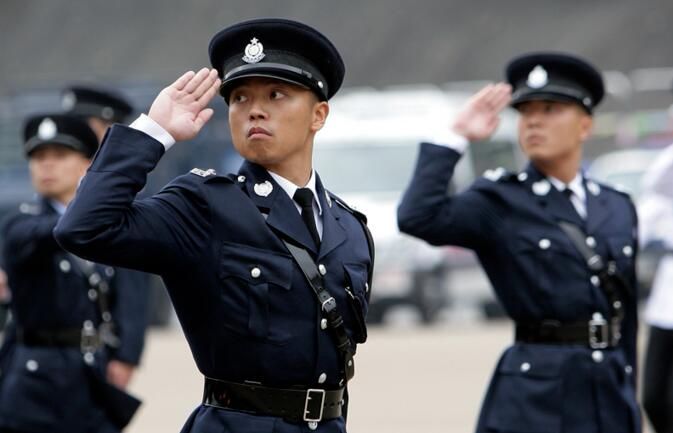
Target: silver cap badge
68,101
537,78
254,51
47,129
263,189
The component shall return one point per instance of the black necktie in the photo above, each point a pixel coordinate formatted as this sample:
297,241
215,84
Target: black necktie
304,197
569,193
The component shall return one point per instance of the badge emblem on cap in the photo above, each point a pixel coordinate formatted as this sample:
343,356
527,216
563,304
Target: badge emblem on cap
47,129
254,51
537,78
68,101
263,189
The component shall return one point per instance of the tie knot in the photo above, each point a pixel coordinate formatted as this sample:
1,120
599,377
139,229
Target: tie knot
304,197
568,192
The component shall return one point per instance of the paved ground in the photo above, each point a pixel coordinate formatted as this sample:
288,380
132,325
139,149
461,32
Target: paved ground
403,375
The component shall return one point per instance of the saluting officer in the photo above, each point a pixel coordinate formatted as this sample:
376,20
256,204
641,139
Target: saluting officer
237,252
558,248
64,308
101,108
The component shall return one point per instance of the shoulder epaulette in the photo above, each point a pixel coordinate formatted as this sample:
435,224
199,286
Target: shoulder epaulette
203,173
331,197
30,208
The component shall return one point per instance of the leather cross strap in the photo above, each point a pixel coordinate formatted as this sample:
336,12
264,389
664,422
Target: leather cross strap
327,304
611,282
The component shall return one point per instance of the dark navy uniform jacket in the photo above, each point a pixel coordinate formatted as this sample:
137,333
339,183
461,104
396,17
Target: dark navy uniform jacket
46,389
510,221
205,234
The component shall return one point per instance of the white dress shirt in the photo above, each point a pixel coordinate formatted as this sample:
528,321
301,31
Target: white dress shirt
579,194
290,188
153,129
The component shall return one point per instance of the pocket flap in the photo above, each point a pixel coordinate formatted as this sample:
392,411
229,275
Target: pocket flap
540,362
255,265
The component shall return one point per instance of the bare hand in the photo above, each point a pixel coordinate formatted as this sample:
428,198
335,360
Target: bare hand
480,116
181,107
119,373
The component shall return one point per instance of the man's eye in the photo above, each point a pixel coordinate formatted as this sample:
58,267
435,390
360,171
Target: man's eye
275,94
239,98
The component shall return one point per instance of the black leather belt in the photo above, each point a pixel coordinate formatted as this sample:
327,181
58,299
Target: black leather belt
50,337
85,338
294,405
596,333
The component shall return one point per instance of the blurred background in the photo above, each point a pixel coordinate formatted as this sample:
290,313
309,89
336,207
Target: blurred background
410,65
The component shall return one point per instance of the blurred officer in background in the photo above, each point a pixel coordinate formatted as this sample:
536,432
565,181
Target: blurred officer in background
65,309
558,248
101,108
268,271
656,220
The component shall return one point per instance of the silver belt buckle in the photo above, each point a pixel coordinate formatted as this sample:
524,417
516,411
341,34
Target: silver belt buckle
598,333
310,395
89,340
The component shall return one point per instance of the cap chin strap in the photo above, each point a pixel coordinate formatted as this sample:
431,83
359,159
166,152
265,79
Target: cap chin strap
275,67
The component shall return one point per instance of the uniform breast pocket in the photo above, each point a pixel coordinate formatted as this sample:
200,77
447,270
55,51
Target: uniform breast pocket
356,290
253,279
622,252
526,394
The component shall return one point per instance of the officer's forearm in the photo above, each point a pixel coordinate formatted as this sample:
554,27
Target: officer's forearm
425,201
105,197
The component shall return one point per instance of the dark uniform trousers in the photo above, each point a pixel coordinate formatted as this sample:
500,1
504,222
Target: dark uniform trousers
46,388
246,310
511,222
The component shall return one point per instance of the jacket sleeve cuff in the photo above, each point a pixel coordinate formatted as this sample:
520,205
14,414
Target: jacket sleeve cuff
147,125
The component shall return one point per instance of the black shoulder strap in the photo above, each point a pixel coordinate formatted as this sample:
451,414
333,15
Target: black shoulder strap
611,281
327,304
325,300
578,238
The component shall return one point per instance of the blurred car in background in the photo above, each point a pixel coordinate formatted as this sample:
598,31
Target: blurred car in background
624,170
366,154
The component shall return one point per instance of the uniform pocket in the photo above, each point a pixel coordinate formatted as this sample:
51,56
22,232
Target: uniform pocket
526,393
622,251
355,275
252,279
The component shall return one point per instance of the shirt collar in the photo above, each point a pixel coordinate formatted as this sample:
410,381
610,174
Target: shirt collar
58,206
290,188
576,185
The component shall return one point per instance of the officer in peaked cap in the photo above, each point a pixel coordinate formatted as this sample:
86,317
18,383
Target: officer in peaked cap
559,249
64,333
101,107
269,272
554,77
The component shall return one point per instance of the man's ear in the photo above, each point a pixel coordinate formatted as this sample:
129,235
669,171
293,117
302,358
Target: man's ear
320,113
586,126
